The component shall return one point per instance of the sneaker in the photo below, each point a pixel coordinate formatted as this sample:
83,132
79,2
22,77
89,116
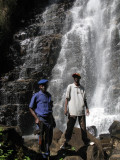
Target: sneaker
89,144
44,155
65,146
47,153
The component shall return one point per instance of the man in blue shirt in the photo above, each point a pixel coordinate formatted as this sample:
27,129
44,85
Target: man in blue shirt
41,109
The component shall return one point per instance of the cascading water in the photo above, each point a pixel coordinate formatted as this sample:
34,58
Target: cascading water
91,48
90,45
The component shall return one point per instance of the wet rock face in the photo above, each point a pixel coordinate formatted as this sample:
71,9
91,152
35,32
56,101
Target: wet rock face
114,129
92,130
34,53
111,142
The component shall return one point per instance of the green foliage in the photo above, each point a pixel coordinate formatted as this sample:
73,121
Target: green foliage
7,148
1,129
27,158
20,153
73,148
4,155
1,152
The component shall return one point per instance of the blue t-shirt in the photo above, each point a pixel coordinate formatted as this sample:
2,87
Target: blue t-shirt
42,103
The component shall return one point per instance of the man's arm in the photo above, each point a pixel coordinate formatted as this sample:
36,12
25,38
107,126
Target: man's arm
87,109
85,101
66,103
68,95
32,106
34,115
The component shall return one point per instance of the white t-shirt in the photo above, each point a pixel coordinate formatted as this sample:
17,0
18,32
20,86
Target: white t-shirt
75,95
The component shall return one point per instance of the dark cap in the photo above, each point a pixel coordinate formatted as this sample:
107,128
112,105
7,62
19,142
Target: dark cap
42,81
76,75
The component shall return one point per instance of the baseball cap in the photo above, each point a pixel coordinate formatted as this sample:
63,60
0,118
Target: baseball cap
76,75
43,81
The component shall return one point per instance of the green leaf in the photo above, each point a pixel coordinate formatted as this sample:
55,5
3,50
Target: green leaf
1,151
1,129
27,158
73,148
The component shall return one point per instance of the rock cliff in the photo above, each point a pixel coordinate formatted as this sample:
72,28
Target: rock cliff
43,34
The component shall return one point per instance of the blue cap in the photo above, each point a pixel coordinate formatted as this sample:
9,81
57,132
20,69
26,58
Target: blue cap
43,81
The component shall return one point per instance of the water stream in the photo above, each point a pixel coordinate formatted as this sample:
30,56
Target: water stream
87,48
90,45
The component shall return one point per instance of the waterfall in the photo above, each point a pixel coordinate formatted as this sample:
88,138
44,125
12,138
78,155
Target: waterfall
90,47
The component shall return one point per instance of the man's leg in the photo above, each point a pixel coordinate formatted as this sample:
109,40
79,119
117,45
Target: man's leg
48,139
40,135
70,126
82,122
69,130
50,135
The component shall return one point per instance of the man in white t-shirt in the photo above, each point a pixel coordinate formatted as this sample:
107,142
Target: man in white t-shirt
75,106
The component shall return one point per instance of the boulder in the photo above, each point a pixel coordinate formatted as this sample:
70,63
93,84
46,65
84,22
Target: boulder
115,157
106,144
114,129
72,158
92,130
78,150
11,135
57,134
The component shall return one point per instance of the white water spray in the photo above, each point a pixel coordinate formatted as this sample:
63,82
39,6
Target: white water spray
86,48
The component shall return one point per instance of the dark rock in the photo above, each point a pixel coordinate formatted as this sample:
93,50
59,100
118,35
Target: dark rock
106,144
115,152
115,157
73,158
92,130
57,134
81,151
114,129
12,135
104,136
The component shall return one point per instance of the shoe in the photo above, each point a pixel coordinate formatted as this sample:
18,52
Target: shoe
44,155
65,146
47,154
89,143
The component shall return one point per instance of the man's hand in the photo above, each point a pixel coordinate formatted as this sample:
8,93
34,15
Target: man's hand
34,115
37,120
65,112
87,112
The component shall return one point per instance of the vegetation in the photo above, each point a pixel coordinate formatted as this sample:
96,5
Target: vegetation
9,150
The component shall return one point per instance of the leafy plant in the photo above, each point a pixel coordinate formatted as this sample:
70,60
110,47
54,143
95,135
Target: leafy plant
73,148
1,129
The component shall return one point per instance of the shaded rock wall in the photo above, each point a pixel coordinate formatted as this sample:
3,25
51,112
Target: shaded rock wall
42,37
14,15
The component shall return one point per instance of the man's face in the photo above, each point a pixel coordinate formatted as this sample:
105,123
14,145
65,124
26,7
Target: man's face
43,87
77,79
